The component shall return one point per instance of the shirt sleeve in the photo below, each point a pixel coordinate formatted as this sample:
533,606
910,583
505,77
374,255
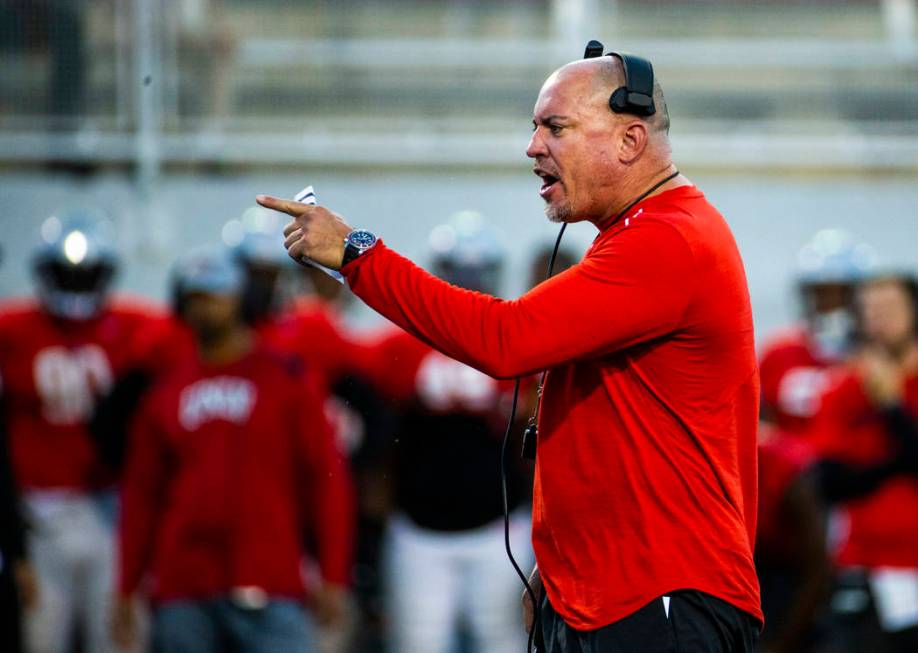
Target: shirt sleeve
328,489
635,285
142,488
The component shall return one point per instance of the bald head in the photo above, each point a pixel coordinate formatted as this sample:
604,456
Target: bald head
593,161
605,75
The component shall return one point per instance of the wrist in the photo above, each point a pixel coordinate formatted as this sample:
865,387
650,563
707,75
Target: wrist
357,243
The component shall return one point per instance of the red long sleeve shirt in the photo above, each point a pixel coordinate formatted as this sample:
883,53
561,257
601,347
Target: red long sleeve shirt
882,525
646,472
229,467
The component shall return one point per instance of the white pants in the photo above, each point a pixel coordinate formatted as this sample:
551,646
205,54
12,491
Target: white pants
436,579
71,547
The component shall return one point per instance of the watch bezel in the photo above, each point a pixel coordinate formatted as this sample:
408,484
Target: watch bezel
352,241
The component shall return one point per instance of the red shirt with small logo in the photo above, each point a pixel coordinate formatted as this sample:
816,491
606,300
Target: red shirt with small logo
646,469
230,468
53,371
794,379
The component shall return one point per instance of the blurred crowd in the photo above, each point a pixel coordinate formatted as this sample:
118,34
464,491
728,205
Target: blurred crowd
240,471
837,549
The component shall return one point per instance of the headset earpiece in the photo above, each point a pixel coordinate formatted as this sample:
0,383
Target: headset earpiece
636,96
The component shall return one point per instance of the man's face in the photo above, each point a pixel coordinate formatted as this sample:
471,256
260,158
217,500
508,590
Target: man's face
887,314
573,145
210,315
828,297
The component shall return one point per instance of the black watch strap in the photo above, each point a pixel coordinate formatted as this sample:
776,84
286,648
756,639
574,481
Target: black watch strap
350,253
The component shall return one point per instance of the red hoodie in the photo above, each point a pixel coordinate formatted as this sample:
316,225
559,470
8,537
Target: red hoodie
230,466
646,471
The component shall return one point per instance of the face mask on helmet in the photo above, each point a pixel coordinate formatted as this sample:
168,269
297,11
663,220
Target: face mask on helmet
263,293
74,292
832,333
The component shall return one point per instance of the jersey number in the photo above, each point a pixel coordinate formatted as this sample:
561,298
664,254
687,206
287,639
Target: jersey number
444,384
68,381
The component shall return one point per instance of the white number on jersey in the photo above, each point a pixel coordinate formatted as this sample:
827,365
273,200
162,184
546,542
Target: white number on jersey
443,384
69,380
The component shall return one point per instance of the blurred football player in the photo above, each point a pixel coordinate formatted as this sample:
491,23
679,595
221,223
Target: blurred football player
57,356
867,435
308,326
446,564
237,438
794,362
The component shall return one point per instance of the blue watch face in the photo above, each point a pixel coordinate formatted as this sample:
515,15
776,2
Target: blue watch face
361,239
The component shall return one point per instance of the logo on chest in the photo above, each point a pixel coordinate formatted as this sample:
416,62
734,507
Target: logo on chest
445,384
225,398
68,381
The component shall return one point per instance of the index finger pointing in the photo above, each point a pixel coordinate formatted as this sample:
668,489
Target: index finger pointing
289,207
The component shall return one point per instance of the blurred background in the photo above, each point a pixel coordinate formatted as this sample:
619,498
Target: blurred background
795,117
791,115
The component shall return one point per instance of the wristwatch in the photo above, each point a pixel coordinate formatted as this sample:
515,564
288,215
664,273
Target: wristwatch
356,243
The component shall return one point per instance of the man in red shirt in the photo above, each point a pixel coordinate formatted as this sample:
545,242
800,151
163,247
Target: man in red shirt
232,467
58,356
867,435
644,501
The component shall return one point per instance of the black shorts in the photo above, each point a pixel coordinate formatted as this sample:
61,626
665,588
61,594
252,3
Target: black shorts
696,623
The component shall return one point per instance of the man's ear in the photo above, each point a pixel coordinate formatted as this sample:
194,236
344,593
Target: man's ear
633,141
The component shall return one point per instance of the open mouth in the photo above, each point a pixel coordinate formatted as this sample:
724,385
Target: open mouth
548,182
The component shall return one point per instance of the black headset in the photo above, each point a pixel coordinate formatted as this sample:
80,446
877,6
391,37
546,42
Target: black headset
636,96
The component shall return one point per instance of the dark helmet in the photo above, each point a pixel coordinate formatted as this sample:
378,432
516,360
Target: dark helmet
75,263
467,252
828,269
257,237
206,269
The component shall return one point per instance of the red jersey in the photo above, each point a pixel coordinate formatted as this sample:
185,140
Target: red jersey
166,346
882,525
782,459
53,372
310,330
794,379
451,422
226,465
646,470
